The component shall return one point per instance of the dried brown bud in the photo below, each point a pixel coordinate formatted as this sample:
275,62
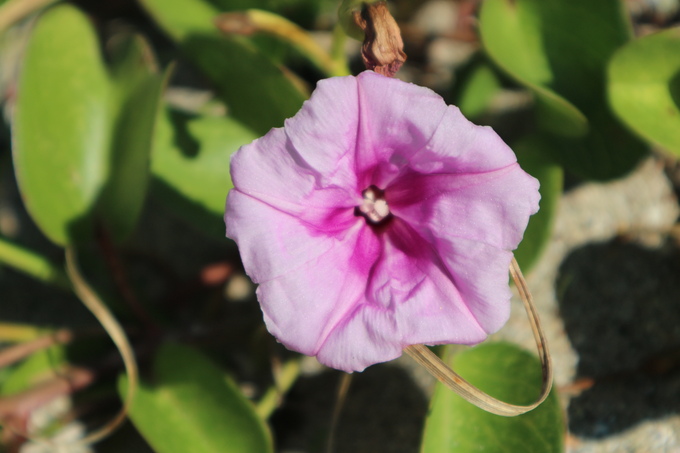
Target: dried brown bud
383,48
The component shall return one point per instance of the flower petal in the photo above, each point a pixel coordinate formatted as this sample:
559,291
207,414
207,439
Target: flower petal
432,310
410,299
492,207
270,170
460,146
324,131
366,337
353,292
272,242
481,276
267,169
304,306
396,119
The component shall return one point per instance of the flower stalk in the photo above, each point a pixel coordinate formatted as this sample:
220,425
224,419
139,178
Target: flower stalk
285,379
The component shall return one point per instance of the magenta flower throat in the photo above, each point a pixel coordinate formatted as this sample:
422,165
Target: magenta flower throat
378,218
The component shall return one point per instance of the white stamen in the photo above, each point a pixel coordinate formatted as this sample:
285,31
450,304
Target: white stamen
374,209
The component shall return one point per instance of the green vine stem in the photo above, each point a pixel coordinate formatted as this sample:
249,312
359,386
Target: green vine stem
338,47
285,379
32,264
17,333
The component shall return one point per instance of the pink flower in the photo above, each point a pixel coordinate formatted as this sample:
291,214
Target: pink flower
377,218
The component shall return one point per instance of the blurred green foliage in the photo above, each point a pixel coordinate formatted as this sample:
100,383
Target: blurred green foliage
560,51
189,404
644,87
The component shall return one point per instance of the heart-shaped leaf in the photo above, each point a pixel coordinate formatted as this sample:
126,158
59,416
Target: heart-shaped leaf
644,87
510,374
190,405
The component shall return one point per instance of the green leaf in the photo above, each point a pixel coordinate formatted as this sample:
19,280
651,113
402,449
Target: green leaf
82,134
557,115
189,405
346,17
475,88
541,44
512,36
138,87
303,12
608,151
191,166
62,124
183,18
644,87
535,161
257,91
43,364
510,374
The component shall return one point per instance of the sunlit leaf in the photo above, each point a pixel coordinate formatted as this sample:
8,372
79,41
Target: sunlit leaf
62,126
512,36
506,372
560,50
256,92
189,405
543,42
82,134
191,166
644,88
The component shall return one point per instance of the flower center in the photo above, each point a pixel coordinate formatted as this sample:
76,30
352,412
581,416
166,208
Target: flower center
374,206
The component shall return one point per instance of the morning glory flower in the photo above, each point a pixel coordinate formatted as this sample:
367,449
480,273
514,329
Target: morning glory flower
378,217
